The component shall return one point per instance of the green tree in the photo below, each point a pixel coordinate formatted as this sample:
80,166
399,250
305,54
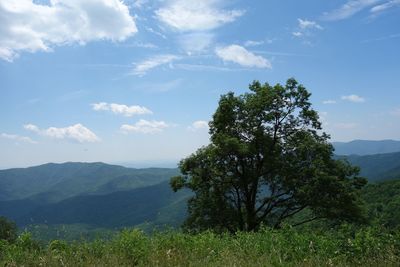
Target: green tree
268,160
8,230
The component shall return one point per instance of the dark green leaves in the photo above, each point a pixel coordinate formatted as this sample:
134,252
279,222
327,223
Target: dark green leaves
8,230
268,160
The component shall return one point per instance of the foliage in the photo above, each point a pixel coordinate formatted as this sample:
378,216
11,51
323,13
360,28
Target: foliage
347,246
268,160
381,200
383,204
8,229
69,232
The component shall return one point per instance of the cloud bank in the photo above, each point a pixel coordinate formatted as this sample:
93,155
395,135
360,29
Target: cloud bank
242,56
120,109
28,26
350,8
143,67
18,138
198,125
353,98
145,127
76,132
194,15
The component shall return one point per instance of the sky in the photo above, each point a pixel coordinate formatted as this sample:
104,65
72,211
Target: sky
136,81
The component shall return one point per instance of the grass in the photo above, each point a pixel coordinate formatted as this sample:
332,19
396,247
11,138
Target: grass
346,246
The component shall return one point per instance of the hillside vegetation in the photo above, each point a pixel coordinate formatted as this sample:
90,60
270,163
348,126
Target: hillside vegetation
90,197
314,245
383,204
113,210
379,167
136,197
55,182
288,247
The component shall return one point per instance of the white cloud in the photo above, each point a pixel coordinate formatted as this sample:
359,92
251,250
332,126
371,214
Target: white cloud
382,7
143,67
241,56
297,34
31,27
327,102
250,43
305,28
308,24
145,127
32,128
195,15
350,8
353,98
18,138
76,132
198,125
125,110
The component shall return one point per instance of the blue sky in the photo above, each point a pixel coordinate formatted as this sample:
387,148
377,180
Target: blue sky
137,81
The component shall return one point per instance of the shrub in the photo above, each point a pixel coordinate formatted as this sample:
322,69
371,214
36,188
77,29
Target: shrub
8,230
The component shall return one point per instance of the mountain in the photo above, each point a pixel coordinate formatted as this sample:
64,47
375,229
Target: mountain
377,167
54,182
366,147
94,195
114,210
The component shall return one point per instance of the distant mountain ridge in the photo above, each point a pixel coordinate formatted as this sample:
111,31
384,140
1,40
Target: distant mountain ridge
152,204
366,147
378,167
95,194
100,195
54,182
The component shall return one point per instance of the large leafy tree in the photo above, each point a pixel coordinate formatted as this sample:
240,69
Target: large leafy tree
268,160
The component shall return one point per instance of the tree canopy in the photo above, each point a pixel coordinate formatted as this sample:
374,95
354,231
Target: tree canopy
268,160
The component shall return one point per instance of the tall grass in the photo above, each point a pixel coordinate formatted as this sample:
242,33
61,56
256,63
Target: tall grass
286,247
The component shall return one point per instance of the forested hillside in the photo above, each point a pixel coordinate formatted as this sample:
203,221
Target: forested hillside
383,203
379,167
89,196
55,182
117,209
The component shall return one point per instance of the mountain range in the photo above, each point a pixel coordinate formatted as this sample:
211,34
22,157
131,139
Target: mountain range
366,147
99,195
379,167
93,194
55,182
